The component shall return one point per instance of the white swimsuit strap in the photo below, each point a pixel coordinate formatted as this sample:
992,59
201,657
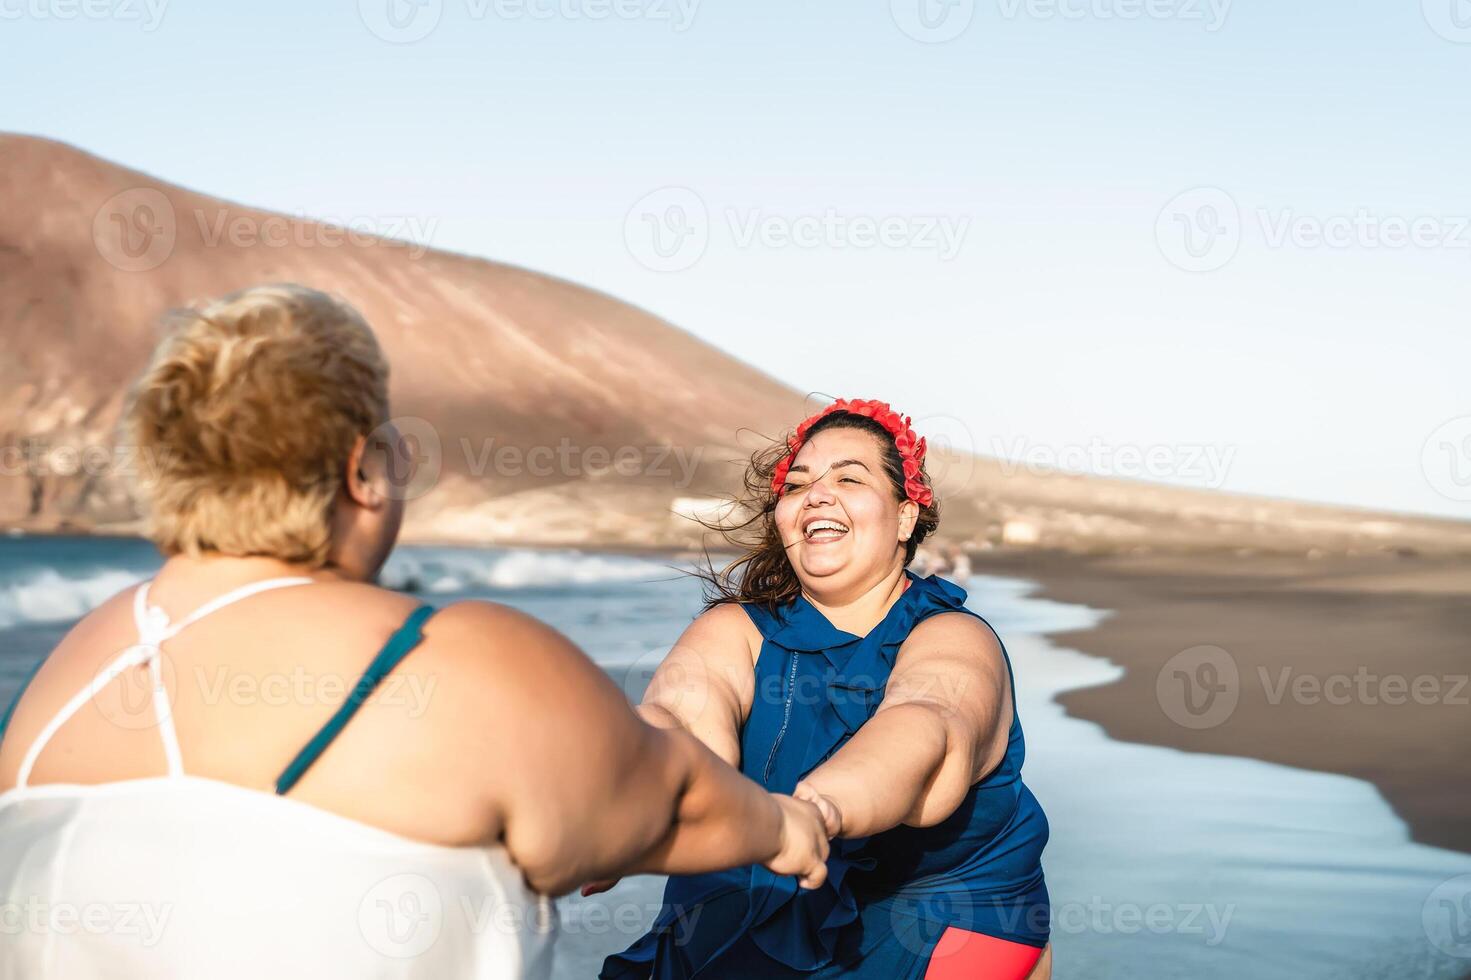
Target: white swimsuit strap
214,605
130,657
153,629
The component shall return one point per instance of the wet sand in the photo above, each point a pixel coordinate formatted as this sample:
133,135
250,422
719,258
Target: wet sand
1356,666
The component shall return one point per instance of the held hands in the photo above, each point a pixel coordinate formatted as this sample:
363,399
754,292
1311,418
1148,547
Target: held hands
832,817
804,842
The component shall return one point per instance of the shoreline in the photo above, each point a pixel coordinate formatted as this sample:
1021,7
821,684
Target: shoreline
1350,665
1355,666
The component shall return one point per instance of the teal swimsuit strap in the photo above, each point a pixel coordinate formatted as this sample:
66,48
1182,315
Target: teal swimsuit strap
404,639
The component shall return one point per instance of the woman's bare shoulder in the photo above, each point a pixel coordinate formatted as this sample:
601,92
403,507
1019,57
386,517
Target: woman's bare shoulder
103,631
514,659
492,630
723,630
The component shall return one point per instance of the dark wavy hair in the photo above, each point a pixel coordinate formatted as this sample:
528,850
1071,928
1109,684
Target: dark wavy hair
763,573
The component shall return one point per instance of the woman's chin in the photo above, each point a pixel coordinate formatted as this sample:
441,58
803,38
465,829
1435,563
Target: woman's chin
822,560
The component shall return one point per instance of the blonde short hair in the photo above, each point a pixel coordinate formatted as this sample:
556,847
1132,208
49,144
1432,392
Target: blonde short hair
246,418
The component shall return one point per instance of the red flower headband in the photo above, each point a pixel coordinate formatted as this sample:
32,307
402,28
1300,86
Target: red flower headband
911,449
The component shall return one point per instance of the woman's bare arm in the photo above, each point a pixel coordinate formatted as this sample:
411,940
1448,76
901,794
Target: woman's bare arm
942,726
584,789
706,683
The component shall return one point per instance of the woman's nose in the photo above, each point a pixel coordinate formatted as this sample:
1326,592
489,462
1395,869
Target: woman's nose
819,491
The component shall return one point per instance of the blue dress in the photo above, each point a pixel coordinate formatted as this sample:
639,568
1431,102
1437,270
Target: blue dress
888,897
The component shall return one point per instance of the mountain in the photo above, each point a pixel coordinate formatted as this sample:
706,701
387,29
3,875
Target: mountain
634,423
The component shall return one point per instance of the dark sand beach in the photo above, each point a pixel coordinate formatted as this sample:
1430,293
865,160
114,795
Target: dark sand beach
1352,665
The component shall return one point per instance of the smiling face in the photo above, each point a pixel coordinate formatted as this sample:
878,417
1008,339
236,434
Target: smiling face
840,518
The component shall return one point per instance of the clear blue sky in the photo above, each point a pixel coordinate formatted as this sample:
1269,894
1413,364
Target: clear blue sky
1050,137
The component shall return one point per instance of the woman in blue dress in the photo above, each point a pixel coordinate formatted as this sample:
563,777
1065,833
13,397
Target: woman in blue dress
824,668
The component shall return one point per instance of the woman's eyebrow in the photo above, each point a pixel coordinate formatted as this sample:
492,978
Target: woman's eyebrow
800,468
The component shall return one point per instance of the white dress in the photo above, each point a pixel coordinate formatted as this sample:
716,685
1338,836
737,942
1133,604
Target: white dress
179,876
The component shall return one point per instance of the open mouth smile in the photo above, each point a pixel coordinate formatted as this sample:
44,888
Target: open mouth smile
821,530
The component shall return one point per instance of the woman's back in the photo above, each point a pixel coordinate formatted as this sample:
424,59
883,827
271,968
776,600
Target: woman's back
127,859
249,686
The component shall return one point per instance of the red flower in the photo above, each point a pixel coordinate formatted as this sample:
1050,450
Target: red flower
918,492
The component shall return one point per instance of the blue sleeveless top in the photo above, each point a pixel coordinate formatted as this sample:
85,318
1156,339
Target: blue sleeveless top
889,897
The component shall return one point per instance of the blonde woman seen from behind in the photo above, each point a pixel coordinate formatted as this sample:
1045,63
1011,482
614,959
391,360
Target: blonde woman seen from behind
329,832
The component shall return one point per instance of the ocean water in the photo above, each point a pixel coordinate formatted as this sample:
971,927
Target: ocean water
1161,864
